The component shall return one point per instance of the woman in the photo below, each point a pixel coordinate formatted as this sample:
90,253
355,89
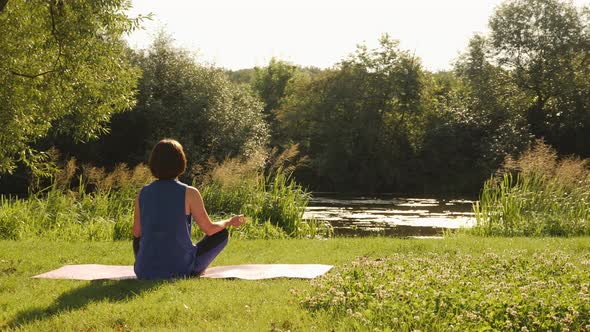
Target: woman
162,221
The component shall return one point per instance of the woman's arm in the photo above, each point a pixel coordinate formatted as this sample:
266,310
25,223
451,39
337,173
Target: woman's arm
136,222
136,227
197,209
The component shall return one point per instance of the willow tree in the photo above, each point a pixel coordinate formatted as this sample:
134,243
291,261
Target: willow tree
198,105
63,68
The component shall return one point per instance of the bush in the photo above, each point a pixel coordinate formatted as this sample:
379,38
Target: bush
536,195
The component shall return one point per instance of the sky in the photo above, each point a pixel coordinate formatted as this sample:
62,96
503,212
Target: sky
238,34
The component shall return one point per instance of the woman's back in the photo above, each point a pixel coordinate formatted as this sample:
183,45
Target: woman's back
165,249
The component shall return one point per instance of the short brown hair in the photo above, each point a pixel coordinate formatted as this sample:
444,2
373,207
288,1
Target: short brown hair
167,160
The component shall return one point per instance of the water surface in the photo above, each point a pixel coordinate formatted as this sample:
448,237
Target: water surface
390,215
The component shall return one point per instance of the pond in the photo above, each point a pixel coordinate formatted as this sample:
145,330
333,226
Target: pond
390,215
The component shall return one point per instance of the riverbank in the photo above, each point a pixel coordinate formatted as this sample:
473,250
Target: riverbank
193,304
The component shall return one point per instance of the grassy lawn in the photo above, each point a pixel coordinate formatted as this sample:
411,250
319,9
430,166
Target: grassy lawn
205,304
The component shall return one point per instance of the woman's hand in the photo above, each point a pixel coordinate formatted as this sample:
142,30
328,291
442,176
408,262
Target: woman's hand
237,221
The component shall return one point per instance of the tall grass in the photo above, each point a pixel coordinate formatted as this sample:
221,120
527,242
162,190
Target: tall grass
536,195
87,203
91,205
275,203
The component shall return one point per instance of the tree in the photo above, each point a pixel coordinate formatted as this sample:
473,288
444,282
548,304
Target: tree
63,68
357,121
179,98
270,83
294,116
545,46
242,76
471,123
492,101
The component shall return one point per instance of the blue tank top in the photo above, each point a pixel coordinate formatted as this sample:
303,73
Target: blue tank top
165,247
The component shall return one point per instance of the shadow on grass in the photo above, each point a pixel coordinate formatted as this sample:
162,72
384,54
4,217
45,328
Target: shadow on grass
96,291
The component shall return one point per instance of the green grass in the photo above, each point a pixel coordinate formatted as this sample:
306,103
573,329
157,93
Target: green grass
205,304
275,201
533,205
67,215
537,194
98,208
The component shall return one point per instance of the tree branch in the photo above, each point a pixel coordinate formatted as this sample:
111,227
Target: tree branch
57,41
54,33
31,76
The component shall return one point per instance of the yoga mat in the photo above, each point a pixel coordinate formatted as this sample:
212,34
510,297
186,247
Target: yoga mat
246,271
267,271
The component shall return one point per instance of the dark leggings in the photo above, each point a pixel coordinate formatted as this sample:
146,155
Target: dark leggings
208,248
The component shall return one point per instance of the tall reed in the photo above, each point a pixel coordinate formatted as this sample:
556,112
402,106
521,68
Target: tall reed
271,201
87,203
536,195
92,205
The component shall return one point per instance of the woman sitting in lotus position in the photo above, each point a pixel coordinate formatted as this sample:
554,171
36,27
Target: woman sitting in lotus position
162,221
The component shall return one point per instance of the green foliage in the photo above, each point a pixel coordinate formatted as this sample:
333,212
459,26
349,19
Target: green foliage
241,76
64,69
274,203
197,105
525,79
270,83
545,46
95,205
473,122
98,208
458,291
545,197
376,121
358,122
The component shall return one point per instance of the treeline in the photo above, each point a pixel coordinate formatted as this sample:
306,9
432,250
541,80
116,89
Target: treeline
378,121
375,122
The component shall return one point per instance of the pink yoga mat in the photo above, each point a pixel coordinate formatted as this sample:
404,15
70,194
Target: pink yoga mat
246,271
